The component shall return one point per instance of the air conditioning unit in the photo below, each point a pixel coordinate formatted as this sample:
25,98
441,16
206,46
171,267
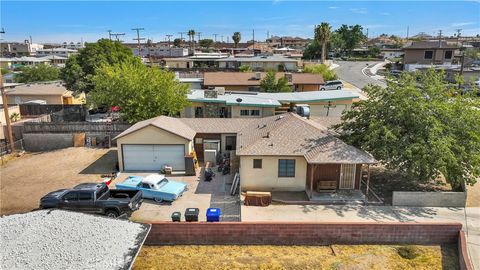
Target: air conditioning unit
258,75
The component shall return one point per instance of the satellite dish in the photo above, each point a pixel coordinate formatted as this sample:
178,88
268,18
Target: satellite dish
239,100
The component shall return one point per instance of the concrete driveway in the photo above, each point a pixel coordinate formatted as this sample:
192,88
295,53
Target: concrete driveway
200,194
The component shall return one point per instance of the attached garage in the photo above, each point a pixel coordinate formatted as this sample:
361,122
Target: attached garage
152,144
153,157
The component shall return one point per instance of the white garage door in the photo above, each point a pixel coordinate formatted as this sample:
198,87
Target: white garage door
321,110
153,157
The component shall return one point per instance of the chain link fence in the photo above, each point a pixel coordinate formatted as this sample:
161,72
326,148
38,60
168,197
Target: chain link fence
5,148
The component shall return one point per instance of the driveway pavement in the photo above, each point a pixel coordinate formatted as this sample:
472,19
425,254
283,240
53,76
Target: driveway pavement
351,72
200,194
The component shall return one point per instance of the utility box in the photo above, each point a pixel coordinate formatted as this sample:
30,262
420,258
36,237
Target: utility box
213,214
176,216
191,214
189,165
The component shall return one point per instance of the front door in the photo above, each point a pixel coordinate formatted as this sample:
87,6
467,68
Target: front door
347,176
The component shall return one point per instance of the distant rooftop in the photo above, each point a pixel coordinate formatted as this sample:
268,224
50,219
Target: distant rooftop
49,88
248,78
431,45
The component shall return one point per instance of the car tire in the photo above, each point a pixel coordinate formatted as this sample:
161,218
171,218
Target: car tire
158,200
322,89
339,88
111,214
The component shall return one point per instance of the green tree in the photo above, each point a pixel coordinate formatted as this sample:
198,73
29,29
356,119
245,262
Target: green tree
351,37
177,42
38,73
236,38
245,68
373,51
206,43
140,92
322,69
5,71
419,127
322,36
312,50
80,68
191,36
271,84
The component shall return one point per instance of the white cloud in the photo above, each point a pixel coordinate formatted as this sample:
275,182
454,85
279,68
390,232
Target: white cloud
359,10
332,7
458,24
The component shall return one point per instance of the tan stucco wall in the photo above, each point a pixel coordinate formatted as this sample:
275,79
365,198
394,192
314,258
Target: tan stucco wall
266,178
151,135
417,56
264,111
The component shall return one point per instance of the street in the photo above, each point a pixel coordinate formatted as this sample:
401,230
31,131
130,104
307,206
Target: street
351,72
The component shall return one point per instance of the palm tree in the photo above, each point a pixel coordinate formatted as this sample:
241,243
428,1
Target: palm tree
236,38
322,36
191,37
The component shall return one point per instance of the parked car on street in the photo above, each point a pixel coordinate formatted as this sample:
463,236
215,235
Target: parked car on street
332,85
95,198
155,187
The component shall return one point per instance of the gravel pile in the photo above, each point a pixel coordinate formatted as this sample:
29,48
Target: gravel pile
67,240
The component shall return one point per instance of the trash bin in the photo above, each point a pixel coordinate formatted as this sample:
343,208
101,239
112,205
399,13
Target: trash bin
191,214
213,214
176,216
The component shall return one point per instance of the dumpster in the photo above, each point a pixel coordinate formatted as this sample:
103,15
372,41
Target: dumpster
176,216
191,214
213,214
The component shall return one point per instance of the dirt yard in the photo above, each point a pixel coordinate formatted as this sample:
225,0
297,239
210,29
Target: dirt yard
24,180
296,257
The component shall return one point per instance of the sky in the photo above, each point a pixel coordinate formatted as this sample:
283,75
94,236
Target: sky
71,21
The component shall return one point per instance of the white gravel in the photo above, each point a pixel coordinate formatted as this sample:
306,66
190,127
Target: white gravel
67,240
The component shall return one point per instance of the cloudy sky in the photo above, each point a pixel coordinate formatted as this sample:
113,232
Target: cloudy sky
59,21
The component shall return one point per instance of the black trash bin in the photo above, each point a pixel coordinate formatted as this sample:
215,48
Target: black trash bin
176,216
191,214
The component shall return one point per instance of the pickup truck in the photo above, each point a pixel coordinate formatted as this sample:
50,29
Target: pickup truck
95,198
155,187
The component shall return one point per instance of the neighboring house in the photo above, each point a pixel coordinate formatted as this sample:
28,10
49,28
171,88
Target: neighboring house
293,42
277,153
220,103
250,81
45,93
19,49
63,52
424,54
163,51
14,62
388,53
56,60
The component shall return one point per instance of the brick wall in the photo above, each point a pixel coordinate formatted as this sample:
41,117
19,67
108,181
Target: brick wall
302,233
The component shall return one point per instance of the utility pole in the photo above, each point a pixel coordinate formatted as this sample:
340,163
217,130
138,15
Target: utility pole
7,117
253,47
458,36
408,30
181,35
138,39
109,34
215,37
268,35
169,48
116,35
199,34
440,38
222,38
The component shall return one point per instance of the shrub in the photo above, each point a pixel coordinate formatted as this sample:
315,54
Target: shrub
321,69
245,69
408,252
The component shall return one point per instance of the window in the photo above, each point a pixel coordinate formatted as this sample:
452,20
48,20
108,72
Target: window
71,196
198,140
448,54
145,185
286,168
255,112
428,55
198,112
230,143
84,196
257,163
244,112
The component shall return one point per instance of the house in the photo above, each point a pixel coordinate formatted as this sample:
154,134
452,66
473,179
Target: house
388,53
277,153
294,42
424,54
261,63
15,62
250,81
44,93
62,52
162,51
230,104
19,49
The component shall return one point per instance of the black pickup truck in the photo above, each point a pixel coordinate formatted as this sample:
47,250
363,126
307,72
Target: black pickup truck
95,198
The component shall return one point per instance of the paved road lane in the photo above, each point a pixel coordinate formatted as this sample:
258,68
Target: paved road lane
352,72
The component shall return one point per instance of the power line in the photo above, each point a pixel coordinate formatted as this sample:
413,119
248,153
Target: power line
181,35
138,39
116,35
215,37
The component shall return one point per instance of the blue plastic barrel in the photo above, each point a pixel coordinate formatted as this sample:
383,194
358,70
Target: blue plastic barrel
213,214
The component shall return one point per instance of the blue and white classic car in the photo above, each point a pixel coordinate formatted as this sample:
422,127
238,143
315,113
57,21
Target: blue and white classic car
155,187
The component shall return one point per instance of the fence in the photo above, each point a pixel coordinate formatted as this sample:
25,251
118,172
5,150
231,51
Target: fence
431,199
74,127
5,148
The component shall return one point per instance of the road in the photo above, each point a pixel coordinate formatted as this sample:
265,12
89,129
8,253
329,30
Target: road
351,72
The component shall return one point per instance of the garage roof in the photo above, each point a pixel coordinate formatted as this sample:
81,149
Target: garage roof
169,124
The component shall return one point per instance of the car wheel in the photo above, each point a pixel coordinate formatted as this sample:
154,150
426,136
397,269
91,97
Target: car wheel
339,88
158,200
111,214
322,89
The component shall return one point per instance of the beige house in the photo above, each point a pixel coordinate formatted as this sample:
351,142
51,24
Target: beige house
45,93
424,54
250,81
277,153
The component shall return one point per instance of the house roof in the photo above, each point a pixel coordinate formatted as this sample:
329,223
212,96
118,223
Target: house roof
430,45
169,124
248,78
40,89
261,99
217,125
292,135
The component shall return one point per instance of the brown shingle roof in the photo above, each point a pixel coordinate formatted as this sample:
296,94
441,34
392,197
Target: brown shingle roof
291,135
169,124
248,78
430,45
